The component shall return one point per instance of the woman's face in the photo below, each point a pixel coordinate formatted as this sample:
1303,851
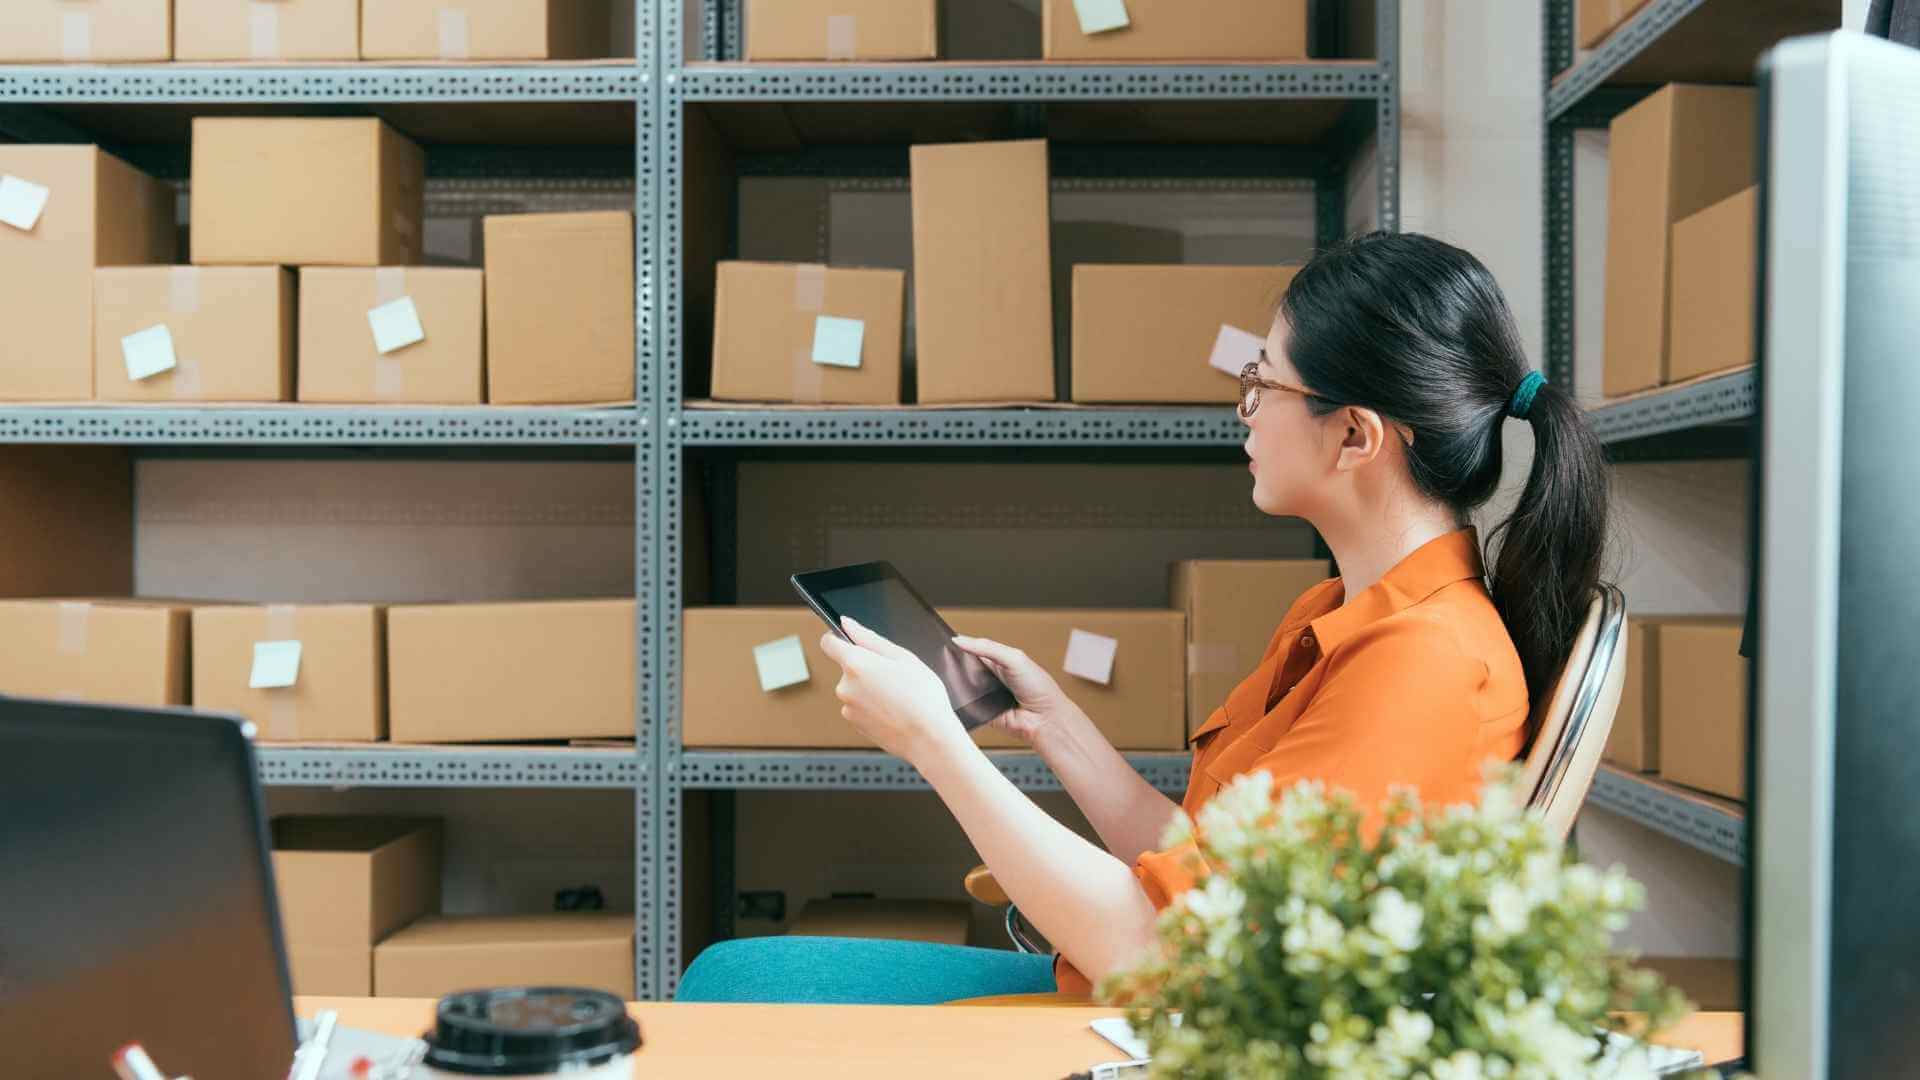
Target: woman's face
1284,439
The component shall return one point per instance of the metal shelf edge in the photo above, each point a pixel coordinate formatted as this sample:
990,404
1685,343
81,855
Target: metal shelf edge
343,82
858,771
1719,399
1626,42
1189,426
446,767
320,425
1691,821
1028,81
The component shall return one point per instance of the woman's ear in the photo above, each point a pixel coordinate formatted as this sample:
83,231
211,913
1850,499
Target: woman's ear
1363,436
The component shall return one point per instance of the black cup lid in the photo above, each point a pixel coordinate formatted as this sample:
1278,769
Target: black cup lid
529,1031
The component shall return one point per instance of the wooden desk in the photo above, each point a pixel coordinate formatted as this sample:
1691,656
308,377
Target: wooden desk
845,1042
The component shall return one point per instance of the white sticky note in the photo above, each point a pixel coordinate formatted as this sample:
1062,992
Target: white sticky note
837,342
149,352
1090,656
781,663
21,202
1234,349
1099,16
396,325
275,664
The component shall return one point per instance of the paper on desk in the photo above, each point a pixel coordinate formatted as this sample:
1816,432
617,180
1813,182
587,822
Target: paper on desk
391,1058
1660,1060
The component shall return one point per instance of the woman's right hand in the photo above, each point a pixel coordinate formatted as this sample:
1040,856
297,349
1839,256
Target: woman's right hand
1042,704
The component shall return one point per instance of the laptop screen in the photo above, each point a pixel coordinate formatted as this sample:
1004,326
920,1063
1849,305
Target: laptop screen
136,897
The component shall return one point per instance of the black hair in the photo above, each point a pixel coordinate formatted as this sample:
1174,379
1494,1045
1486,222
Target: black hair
1419,331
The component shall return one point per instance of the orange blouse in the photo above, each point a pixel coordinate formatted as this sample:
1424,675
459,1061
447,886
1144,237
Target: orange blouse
1414,682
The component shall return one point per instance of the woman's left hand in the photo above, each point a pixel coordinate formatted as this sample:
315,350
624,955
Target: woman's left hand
890,695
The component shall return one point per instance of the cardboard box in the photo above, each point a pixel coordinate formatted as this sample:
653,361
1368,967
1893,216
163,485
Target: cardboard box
1677,152
982,287
296,191
843,30
443,953
230,327
340,358
351,881
331,970
121,652
1253,30
1703,708
1634,742
560,326
768,334
1233,607
487,30
100,211
1598,18
1145,334
1144,704
75,509
340,690
277,30
1716,282
944,922
511,672
86,31
724,706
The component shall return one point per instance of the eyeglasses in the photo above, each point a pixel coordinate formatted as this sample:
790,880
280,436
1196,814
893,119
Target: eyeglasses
1251,384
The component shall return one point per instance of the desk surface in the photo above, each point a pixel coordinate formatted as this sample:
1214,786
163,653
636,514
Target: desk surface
842,1042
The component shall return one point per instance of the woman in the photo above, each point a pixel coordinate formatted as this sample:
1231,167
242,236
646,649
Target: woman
1375,414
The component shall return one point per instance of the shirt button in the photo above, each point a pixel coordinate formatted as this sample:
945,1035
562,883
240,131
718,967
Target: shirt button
1306,639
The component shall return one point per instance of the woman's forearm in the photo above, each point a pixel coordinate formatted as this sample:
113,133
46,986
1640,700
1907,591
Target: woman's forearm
1084,900
1127,812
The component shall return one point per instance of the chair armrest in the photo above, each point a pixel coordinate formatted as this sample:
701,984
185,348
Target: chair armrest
982,887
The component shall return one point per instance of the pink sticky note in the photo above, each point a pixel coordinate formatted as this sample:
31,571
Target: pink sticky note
1234,349
1090,656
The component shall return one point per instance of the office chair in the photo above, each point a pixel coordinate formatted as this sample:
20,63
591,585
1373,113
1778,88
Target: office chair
1570,732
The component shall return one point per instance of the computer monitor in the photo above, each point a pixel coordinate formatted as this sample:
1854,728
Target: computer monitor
1833,934
136,896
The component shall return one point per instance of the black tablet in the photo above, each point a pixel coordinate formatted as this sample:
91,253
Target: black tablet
877,597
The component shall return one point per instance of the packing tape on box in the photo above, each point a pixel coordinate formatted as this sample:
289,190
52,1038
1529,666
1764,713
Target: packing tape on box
263,29
809,297
76,35
843,33
389,377
183,298
1214,659
283,713
70,634
456,34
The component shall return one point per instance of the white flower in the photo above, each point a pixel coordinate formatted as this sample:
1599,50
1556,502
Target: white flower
1218,907
1179,830
1499,803
1463,1065
1405,1035
1507,910
1396,919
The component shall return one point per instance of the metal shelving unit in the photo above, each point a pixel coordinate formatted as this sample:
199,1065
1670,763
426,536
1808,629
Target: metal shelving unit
1315,117
1711,825
550,125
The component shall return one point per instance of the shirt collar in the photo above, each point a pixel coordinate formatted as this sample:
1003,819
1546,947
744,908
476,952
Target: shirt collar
1433,566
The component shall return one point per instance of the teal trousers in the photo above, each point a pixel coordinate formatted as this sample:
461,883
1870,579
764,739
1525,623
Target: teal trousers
858,971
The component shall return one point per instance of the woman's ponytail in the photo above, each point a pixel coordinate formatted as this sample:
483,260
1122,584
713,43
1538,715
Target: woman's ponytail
1550,549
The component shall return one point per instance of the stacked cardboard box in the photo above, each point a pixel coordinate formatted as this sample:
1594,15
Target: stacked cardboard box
1169,334
1703,707
86,31
1233,608
1715,288
441,954
344,885
121,652
511,672
341,361
65,210
487,30
1246,30
842,30
792,332
560,299
1598,18
1680,151
299,672
278,30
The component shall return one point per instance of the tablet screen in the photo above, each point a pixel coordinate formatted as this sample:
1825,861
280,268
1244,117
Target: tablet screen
887,608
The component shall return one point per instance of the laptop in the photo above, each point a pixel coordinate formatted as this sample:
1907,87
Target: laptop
136,896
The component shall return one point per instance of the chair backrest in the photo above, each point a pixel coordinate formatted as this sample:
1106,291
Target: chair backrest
1572,723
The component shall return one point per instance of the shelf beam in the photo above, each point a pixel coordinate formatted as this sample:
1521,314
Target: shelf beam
814,770
447,767
320,425
1717,828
